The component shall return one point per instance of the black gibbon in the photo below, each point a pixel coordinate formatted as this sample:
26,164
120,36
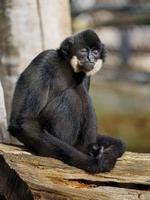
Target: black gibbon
52,113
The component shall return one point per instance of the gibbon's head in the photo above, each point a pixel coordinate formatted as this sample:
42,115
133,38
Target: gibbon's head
85,51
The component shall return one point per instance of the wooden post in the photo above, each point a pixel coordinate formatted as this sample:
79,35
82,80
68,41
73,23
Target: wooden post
4,136
47,178
27,28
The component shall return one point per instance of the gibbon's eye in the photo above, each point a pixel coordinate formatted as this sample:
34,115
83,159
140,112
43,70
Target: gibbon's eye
84,50
95,52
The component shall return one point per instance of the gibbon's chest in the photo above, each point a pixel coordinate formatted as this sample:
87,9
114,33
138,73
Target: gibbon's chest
71,91
74,100
79,103
67,100
66,112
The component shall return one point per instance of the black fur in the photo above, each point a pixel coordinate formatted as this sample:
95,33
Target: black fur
52,113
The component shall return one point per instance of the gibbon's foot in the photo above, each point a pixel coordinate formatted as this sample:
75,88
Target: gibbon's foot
105,157
108,142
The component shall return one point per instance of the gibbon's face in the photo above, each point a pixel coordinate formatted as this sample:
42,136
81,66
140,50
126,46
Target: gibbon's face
87,60
88,53
85,52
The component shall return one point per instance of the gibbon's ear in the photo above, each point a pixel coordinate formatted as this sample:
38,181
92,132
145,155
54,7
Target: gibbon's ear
65,48
103,54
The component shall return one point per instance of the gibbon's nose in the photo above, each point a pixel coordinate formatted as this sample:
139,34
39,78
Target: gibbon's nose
91,57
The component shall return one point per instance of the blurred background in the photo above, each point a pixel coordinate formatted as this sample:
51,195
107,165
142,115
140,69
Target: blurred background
121,90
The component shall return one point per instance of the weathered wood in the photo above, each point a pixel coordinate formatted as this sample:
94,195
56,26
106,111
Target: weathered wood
4,136
55,22
27,28
48,178
11,185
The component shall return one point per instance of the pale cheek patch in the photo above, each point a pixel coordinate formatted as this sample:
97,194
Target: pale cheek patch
97,67
75,64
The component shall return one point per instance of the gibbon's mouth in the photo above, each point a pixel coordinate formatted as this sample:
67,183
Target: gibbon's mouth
96,68
86,63
86,66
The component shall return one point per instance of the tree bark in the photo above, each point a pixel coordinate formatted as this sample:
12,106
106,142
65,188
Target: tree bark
47,178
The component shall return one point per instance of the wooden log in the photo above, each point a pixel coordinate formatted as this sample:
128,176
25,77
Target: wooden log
46,178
